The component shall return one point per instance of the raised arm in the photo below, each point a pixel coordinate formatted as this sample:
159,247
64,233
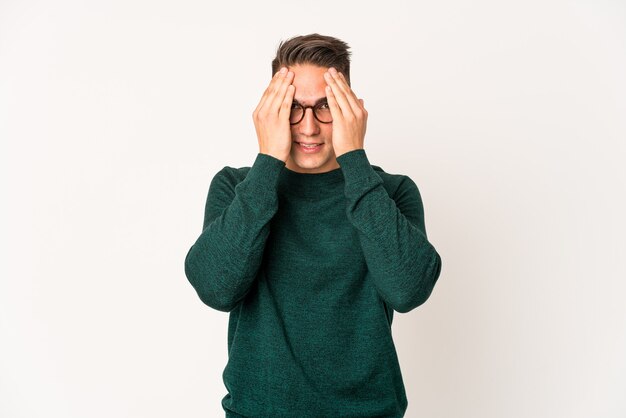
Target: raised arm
223,262
404,264
225,259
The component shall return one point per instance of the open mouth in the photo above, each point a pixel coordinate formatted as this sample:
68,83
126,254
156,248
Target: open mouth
309,148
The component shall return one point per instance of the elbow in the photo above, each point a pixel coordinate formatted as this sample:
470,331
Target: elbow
425,283
213,300
204,285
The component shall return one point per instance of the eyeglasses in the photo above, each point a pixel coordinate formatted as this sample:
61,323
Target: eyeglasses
321,111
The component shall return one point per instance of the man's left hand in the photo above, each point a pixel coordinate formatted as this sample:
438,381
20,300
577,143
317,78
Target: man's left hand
349,115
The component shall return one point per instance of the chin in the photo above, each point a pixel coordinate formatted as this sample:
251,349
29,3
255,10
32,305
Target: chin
308,165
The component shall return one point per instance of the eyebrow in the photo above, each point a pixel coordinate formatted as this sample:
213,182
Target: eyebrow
318,101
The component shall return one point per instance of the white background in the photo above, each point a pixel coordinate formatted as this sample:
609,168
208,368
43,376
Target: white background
509,116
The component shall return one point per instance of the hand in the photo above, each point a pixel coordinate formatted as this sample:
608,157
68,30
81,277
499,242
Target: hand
271,116
349,115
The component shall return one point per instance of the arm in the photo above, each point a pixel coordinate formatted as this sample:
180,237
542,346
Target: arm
403,264
225,259
223,262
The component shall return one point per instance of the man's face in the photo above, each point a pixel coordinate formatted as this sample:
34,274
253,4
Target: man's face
310,89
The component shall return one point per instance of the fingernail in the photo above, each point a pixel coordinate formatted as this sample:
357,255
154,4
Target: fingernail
283,70
332,70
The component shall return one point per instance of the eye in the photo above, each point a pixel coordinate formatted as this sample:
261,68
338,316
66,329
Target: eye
323,106
295,106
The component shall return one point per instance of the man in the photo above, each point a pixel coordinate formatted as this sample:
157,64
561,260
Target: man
311,249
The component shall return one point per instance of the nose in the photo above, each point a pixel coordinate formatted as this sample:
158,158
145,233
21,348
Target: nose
309,126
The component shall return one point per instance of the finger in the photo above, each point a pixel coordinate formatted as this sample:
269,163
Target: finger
271,88
360,101
345,87
339,95
281,91
350,95
339,80
267,91
335,111
285,107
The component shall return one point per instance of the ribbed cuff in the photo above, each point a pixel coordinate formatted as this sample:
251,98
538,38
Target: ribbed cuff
265,171
357,168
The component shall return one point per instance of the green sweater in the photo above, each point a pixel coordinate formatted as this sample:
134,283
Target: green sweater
311,268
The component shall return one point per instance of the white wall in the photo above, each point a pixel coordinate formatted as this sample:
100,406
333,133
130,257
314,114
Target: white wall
114,116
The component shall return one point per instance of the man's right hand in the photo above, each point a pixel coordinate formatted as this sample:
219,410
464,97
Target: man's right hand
271,116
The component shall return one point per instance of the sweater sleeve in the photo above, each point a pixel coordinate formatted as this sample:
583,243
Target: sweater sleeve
223,262
403,263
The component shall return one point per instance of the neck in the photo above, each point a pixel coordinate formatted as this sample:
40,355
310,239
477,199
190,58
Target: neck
329,166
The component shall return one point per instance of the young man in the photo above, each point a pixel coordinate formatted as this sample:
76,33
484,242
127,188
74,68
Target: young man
311,249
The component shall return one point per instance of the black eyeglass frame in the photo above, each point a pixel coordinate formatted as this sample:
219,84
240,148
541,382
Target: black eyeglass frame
304,108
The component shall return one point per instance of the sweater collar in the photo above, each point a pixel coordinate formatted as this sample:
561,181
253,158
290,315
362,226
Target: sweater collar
311,185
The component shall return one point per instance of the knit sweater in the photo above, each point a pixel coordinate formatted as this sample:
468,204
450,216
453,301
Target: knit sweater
310,268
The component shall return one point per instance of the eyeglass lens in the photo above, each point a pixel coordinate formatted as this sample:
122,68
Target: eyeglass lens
321,111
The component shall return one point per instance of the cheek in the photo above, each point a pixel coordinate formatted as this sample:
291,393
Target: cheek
327,130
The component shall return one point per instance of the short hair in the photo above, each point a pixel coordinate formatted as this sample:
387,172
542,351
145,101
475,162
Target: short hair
316,49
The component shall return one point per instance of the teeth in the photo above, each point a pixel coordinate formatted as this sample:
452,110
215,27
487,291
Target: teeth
309,146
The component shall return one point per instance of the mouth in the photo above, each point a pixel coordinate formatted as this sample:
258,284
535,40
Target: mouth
309,147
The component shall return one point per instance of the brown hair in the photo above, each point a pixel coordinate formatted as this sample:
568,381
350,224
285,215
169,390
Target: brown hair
316,49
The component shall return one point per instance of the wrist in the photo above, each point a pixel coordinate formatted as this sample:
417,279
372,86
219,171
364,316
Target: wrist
340,152
273,154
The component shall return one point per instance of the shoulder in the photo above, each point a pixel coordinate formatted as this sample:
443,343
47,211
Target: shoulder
405,193
395,184
230,176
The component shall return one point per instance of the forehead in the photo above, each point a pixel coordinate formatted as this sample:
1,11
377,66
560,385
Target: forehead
309,82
